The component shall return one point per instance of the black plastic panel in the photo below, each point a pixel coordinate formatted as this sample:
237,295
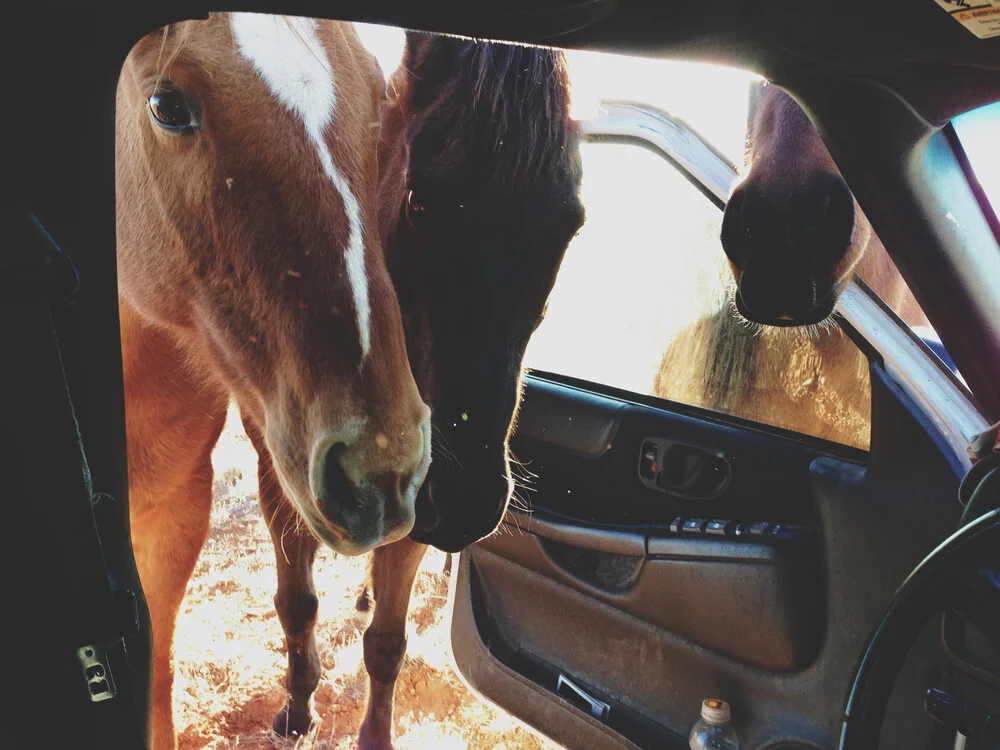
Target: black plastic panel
575,421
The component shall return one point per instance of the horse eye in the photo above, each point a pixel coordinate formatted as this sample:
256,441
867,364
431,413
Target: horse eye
414,206
170,110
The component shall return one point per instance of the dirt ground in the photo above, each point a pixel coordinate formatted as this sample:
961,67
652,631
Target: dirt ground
231,655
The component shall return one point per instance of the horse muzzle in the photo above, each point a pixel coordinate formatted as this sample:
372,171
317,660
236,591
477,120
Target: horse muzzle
773,313
357,510
451,518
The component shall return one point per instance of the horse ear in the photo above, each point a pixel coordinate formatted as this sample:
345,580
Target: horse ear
414,39
432,52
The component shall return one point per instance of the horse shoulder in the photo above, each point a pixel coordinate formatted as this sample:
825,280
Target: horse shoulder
174,409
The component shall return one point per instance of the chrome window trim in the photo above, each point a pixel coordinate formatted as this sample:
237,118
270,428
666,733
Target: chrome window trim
673,139
940,400
948,408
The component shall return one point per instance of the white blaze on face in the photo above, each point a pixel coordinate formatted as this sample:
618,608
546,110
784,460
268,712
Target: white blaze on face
290,58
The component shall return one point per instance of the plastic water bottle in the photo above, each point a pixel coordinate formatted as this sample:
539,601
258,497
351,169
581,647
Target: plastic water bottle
713,731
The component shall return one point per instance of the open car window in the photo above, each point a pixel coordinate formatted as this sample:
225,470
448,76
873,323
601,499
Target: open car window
647,281
977,130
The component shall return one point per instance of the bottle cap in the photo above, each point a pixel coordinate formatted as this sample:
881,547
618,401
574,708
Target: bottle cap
715,711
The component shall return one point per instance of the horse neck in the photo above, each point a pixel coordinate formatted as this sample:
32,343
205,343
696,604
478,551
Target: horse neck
877,269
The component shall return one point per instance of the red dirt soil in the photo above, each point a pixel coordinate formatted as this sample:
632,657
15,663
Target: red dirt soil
230,651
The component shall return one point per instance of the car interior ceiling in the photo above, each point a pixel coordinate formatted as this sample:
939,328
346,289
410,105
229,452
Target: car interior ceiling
879,79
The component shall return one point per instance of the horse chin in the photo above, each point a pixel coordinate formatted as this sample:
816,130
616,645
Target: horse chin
817,313
449,536
438,541
428,528
427,516
342,542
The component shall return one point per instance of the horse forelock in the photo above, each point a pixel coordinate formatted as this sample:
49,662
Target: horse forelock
505,103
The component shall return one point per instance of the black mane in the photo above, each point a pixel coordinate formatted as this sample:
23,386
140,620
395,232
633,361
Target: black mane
501,105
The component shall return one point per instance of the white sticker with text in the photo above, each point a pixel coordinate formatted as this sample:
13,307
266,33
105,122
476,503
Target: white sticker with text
981,17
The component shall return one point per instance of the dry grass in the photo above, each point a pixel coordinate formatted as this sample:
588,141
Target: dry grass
231,654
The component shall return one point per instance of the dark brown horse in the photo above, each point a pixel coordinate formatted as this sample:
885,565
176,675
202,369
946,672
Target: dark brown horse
249,267
794,236
478,200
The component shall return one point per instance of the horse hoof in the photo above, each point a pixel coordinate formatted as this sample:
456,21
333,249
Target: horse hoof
292,724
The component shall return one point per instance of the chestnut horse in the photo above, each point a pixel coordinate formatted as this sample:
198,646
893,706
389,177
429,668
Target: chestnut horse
794,236
250,268
478,197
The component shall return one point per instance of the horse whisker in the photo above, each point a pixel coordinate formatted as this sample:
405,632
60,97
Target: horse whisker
442,447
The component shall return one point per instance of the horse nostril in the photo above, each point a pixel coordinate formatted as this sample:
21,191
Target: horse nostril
829,218
337,490
735,234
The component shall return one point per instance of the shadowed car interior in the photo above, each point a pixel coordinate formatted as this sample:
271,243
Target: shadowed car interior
835,596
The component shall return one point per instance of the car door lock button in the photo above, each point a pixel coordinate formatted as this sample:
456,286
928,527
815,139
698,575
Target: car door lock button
647,461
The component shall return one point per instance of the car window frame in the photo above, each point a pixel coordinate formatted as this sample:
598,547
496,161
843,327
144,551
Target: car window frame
909,363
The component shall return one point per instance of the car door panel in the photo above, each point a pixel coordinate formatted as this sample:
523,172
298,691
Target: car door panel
593,587
596,528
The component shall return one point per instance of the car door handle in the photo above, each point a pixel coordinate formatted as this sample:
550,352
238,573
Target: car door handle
693,472
683,469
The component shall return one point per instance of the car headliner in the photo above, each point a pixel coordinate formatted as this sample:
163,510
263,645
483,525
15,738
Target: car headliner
911,45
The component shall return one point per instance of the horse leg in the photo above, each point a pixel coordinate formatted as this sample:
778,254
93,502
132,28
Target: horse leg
393,570
296,601
167,540
173,420
364,601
